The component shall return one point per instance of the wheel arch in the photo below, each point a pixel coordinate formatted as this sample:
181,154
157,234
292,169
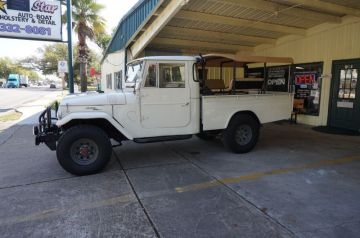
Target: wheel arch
102,123
107,123
240,113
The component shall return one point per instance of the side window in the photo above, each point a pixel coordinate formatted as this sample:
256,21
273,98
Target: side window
118,80
109,81
172,75
151,76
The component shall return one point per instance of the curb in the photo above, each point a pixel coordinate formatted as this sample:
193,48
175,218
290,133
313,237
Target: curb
8,112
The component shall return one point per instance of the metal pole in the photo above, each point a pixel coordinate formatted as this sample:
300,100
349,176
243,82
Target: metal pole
70,49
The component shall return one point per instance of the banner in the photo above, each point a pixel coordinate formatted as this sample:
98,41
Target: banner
31,19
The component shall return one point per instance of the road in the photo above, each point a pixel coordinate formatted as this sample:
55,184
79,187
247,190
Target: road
29,101
15,98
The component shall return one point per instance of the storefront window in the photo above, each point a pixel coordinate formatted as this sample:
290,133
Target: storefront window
277,78
307,81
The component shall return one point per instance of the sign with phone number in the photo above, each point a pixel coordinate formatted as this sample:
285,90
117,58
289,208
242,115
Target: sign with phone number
31,19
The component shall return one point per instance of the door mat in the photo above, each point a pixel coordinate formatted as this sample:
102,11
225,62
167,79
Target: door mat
336,131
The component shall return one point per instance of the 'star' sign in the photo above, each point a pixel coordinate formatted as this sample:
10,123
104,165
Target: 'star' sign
30,19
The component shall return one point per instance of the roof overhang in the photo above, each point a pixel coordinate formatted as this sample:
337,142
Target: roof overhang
233,26
249,59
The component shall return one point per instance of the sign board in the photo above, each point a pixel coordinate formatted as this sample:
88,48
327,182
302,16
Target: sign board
20,5
305,83
278,78
62,67
92,72
31,19
254,72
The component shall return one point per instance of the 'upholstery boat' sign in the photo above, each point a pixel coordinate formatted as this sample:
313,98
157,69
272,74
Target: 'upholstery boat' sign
31,19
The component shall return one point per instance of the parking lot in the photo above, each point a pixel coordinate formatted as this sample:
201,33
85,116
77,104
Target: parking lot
296,183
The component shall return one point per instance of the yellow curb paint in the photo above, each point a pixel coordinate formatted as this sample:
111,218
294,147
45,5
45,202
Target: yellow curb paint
257,175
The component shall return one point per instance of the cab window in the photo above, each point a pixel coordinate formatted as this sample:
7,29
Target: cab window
151,78
172,75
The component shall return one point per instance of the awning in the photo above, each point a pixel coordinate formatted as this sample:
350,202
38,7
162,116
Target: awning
234,26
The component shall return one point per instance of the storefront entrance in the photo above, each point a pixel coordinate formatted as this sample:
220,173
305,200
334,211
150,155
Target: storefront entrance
345,96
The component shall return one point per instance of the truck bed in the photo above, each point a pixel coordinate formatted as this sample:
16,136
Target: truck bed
217,110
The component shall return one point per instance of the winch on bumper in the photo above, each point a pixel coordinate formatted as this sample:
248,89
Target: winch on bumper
47,132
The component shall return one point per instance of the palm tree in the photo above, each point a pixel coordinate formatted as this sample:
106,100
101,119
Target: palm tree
87,24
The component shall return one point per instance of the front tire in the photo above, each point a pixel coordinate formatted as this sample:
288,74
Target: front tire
84,150
242,134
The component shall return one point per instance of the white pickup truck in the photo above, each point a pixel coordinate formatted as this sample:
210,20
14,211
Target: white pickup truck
163,99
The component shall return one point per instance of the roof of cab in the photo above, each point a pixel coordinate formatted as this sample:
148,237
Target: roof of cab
166,58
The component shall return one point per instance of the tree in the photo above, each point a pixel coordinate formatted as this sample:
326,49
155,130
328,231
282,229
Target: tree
87,24
51,54
103,40
7,66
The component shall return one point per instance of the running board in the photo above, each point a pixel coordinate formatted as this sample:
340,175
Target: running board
161,138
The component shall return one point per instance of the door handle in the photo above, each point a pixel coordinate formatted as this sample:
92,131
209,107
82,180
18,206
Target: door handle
186,104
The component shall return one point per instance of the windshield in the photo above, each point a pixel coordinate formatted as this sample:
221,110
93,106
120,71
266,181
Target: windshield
12,79
133,72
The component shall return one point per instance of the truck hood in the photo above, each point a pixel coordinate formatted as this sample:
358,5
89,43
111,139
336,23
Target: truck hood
94,99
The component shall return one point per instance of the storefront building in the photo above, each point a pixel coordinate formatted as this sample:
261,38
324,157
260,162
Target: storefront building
321,36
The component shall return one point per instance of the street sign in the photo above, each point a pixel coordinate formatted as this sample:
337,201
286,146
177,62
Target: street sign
63,67
31,19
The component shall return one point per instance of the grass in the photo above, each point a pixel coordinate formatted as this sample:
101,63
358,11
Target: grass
13,116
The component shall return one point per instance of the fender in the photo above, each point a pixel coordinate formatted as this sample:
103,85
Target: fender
248,112
94,115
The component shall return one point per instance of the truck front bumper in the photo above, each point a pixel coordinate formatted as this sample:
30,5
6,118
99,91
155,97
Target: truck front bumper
47,132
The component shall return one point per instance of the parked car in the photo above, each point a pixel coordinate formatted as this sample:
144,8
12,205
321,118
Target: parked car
52,85
165,100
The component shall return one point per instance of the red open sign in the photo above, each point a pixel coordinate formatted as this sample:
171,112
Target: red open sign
307,79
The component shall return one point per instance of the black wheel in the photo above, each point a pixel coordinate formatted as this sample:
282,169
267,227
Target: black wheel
206,135
84,150
242,134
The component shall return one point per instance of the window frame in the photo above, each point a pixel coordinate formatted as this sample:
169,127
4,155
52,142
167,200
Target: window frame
172,64
146,74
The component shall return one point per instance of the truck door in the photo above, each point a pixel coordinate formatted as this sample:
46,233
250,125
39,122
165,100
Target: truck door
165,96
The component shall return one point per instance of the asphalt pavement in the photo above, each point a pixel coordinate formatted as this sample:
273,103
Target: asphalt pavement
13,98
29,101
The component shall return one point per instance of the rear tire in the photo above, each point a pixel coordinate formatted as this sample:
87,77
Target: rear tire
242,134
84,150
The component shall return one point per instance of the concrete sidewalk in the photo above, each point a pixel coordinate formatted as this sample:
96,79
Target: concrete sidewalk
296,183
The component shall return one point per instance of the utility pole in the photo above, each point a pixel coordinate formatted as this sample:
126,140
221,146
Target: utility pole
70,49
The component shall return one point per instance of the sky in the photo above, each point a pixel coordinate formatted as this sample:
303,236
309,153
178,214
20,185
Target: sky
113,12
